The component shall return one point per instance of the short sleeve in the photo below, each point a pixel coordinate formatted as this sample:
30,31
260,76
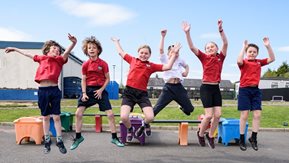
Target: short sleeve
128,58
264,61
84,68
36,58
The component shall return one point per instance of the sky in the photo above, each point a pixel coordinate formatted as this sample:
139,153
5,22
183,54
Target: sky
140,22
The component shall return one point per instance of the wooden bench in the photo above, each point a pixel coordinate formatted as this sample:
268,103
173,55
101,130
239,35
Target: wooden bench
183,128
98,120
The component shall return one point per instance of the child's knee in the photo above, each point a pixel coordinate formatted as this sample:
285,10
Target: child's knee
149,119
78,115
110,115
56,118
124,118
46,118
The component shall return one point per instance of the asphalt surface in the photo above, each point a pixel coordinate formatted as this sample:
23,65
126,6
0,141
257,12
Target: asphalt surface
161,147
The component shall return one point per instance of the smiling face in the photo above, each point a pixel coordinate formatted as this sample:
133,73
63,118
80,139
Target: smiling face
91,47
144,53
251,52
51,48
54,51
211,48
92,50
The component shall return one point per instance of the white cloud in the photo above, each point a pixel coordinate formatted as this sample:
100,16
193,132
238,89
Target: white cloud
98,14
8,34
210,36
284,49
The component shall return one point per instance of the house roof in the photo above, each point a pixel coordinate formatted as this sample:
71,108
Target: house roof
33,45
159,82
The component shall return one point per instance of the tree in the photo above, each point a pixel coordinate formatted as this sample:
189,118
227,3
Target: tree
282,70
269,74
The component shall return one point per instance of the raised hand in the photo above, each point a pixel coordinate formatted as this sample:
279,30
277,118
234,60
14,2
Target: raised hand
163,32
220,25
186,26
72,38
177,47
114,39
266,41
245,44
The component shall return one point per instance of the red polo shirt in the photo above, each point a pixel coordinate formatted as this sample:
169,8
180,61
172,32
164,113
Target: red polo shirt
140,72
251,72
49,67
212,66
95,72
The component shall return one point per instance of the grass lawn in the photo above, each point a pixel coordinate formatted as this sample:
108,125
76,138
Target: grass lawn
273,114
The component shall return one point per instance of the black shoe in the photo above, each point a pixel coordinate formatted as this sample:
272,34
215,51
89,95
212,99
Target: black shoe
243,146
148,131
201,140
47,146
139,131
254,144
61,147
129,135
211,141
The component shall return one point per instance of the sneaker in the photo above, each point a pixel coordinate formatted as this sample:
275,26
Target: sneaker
139,131
243,146
47,146
61,147
254,144
117,142
76,142
201,140
211,141
148,131
129,135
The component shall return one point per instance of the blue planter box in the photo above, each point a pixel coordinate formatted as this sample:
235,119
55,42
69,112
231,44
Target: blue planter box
228,130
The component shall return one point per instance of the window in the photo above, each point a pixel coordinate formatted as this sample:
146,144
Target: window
287,85
274,85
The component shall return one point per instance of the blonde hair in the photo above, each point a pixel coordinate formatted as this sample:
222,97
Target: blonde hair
144,46
92,40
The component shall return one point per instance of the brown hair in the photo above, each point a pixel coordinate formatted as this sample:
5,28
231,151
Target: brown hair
144,46
92,40
48,44
254,46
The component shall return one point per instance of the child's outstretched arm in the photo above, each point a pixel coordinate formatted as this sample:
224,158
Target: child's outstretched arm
163,35
68,50
269,49
242,52
186,27
224,38
13,49
118,47
174,52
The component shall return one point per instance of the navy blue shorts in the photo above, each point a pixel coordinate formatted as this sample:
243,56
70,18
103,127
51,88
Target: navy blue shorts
49,100
249,98
132,96
103,103
210,95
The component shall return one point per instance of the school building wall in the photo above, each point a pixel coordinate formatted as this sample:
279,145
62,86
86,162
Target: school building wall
18,71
